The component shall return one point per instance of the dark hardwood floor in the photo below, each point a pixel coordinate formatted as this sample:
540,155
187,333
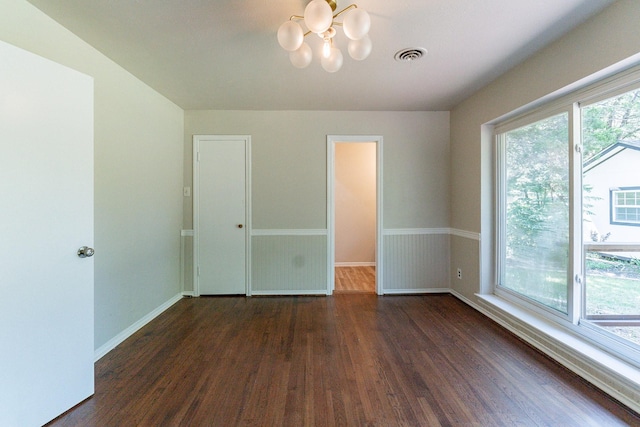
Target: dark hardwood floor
355,280
349,360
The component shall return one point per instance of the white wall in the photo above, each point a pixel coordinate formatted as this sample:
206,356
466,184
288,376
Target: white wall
355,203
289,162
138,174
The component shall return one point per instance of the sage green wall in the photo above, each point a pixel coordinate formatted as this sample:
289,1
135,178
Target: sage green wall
138,174
606,39
289,163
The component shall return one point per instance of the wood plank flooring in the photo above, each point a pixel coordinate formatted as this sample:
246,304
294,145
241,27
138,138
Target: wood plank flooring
346,360
355,280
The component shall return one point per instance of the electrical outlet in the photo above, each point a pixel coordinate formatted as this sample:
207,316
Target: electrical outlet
459,273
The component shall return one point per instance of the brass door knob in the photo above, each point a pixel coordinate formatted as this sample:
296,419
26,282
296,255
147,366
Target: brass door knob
240,225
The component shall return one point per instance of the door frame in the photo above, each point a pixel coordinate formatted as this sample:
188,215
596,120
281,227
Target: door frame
332,140
197,139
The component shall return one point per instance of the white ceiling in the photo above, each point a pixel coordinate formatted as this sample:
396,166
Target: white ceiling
223,54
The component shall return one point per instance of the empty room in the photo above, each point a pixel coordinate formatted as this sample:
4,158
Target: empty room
312,212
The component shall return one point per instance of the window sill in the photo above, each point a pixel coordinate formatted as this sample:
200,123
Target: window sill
609,373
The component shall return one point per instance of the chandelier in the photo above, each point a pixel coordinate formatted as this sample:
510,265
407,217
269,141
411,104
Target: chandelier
320,20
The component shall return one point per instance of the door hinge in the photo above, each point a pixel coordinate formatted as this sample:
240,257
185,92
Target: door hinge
197,156
198,271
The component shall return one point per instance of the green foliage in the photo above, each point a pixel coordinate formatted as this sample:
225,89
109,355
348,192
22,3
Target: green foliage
613,266
537,157
609,121
588,200
538,187
537,215
537,194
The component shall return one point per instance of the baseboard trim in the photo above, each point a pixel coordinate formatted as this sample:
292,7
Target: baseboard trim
118,339
354,264
417,291
321,292
466,300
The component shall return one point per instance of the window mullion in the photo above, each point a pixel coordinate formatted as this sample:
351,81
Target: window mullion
576,253
501,207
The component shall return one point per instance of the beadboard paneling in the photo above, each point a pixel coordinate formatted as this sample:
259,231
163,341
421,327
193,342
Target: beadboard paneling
415,263
186,262
289,264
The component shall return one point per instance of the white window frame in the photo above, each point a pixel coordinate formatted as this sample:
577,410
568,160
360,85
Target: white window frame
502,291
572,102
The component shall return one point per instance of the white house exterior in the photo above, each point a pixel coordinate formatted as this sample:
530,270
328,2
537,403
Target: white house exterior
613,201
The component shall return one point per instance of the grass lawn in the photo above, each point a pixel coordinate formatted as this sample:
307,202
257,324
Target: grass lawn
546,286
612,288
610,294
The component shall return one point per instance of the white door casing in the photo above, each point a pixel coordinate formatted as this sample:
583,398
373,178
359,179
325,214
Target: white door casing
332,140
46,214
221,214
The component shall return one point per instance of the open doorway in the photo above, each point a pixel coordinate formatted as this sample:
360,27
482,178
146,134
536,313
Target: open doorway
354,212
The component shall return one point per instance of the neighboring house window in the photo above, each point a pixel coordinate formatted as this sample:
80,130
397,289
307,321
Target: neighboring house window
625,206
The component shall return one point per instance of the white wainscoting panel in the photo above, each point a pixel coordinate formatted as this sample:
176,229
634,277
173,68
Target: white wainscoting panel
186,262
289,262
416,261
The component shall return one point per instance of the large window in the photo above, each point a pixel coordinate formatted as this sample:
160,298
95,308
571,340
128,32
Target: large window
568,215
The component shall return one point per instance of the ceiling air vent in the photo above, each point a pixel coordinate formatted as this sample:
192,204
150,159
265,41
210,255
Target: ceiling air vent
410,55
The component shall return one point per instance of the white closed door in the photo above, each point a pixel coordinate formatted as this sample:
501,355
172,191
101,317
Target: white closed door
46,215
220,214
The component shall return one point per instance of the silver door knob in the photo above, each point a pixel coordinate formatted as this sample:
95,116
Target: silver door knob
85,252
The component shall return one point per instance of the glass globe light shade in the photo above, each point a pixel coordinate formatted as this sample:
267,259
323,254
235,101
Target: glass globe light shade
356,24
360,49
333,62
318,16
301,57
290,35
